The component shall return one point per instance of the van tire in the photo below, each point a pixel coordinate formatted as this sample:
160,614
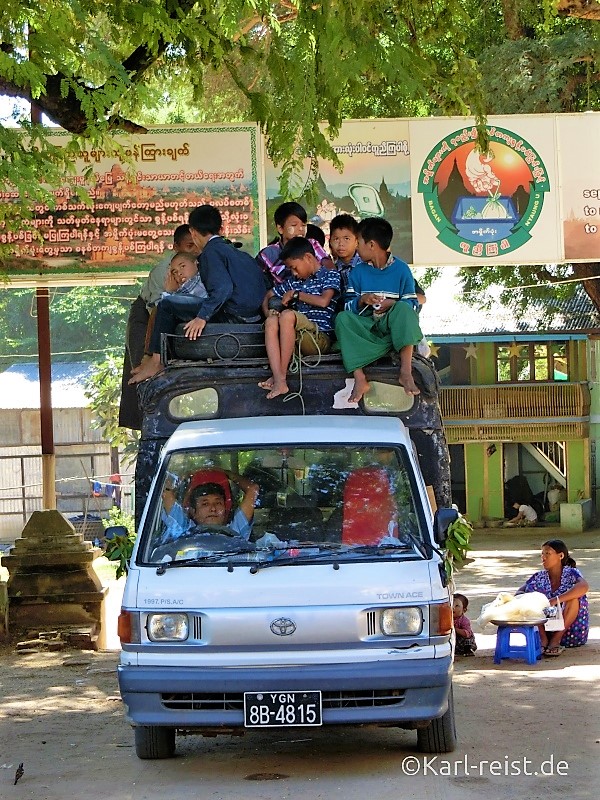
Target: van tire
154,742
440,735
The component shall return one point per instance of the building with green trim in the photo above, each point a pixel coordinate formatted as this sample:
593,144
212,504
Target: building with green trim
520,399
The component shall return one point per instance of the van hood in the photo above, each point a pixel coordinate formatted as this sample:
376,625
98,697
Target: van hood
366,584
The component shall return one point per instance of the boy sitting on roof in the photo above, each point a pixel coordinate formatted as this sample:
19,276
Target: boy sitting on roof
301,308
380,309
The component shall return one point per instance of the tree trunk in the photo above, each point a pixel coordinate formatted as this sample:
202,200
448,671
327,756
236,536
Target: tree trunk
592,287
512,22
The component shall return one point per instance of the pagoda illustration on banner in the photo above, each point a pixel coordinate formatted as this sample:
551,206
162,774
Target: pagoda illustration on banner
484,195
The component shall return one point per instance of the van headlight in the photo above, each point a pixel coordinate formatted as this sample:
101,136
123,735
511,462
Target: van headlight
167,627
401,621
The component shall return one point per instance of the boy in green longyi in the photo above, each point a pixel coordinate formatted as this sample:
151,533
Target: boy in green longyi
379,313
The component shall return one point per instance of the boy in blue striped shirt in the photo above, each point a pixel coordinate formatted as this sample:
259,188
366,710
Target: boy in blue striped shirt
301,309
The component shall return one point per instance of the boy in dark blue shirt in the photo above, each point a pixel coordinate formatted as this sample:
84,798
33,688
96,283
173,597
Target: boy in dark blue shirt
312,292
234,284
343,245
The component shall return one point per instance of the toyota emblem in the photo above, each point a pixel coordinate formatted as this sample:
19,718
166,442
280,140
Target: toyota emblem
283,627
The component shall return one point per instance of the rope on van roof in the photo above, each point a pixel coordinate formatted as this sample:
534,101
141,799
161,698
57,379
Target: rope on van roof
298,361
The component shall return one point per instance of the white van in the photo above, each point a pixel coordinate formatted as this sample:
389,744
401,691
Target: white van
328,605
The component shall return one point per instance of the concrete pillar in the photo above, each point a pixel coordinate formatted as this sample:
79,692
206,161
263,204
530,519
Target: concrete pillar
52,583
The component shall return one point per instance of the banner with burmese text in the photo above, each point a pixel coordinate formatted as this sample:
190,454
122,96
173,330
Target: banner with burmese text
138,198
533,198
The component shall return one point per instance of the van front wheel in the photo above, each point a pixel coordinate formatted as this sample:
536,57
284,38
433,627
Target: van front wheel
154,742
440,735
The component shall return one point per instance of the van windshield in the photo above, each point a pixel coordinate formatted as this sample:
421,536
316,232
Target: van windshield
284,504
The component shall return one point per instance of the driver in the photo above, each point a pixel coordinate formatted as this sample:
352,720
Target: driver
207,509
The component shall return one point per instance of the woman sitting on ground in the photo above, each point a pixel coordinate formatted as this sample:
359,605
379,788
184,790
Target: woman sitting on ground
562,583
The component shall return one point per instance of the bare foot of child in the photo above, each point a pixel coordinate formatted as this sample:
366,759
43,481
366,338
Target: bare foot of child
268,384
407,382
149,367
361,387
278,389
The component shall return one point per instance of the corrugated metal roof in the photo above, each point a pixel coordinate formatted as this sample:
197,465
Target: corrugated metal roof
20,388
446,313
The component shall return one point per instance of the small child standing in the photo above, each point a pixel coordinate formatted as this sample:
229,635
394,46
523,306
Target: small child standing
465,638
306,306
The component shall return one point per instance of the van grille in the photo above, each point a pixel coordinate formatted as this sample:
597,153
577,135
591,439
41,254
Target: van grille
371,623
234,701
197,628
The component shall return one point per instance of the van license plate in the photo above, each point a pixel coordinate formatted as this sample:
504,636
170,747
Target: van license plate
281,709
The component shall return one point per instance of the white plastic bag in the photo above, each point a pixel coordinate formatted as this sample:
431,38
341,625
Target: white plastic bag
526,607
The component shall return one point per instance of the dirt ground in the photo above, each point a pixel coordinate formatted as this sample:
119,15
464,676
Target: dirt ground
61,716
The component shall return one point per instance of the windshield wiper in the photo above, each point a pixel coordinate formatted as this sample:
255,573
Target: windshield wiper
372,549
215,555
293,545
281,556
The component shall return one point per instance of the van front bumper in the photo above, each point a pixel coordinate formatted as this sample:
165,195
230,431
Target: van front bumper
373,692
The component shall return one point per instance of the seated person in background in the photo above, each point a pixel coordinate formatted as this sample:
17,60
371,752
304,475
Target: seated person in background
316,233
526,516
313,291
380,309
235,288
556,496
343,243
182,278
562,583
137,325
290,220
207,508
465,638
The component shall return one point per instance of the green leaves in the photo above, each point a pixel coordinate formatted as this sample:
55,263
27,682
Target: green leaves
457,544
104,391
94,66
119,549
521,286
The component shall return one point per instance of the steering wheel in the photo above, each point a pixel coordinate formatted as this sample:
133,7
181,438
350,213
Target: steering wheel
215,538
200,529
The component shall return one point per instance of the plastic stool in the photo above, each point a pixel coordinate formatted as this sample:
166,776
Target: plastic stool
530,651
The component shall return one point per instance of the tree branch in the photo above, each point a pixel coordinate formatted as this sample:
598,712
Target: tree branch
543,275
581,9
67,110
573,82
142,58
592,287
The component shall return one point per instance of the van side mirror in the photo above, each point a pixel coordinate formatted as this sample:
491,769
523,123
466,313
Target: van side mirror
444,517
115,530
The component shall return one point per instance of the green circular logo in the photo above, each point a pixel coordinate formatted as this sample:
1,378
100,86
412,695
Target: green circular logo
483,204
